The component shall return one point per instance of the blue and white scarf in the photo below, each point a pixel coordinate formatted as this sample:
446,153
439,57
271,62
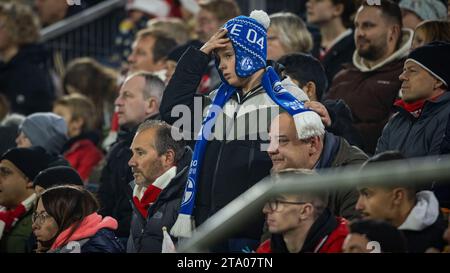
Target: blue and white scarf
271,83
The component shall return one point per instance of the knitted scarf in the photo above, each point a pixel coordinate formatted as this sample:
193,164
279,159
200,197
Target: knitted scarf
9,218
307,123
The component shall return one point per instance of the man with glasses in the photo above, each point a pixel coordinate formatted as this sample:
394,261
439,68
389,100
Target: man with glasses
302,223
18,168
316,152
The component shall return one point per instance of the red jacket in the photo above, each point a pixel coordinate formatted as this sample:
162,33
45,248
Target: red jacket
329,244
83,156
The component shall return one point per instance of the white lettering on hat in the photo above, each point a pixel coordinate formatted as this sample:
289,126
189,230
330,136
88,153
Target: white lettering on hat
235,29
252,38
252,35
260,42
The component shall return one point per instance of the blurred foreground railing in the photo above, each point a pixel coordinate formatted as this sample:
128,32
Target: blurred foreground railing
231,217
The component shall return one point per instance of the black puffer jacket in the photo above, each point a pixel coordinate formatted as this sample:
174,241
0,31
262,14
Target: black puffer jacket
113,191
146,234
26,81
104,241
416,137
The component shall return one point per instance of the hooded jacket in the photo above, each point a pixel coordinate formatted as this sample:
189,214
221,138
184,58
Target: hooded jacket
424,226
326,235
146,235
94,235
230,165
370,91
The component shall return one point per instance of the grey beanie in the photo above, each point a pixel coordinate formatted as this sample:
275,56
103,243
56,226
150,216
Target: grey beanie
425,9
46,130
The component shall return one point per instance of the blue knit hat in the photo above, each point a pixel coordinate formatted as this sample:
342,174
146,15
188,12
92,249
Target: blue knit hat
249,38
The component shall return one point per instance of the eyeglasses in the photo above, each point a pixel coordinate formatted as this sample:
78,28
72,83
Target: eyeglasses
39,217
274,204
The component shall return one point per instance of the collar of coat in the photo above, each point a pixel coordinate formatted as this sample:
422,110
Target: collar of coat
416,108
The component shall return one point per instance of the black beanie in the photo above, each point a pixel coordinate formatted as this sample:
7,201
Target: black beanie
29,160
435,58
60,175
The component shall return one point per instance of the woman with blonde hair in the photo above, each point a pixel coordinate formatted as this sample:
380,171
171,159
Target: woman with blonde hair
287,33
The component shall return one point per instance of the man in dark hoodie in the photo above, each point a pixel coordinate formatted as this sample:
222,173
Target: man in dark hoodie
138,100
415,213
24,76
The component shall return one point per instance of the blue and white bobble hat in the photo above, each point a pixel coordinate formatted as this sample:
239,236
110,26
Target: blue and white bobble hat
249,38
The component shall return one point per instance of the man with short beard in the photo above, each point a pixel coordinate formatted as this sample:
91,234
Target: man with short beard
370,84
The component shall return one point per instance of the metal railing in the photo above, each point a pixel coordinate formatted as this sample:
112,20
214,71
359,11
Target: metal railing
90,33
231,217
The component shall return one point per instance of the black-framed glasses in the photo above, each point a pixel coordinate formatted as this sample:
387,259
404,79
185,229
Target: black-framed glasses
39,217
274,204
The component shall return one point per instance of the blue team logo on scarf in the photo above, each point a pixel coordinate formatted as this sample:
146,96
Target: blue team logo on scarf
188,194
246,64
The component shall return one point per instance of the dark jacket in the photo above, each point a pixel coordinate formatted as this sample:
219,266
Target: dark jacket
425,225
342,122
146,234
26,81
104,241
431,237
8,135
114,191
370,92
326,235
337,55
15,241
230,167
338,153
416,137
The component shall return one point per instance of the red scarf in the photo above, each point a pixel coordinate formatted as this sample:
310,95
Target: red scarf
8,218
415,108
149,197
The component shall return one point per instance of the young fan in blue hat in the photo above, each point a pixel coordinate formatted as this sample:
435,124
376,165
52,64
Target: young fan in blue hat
227,160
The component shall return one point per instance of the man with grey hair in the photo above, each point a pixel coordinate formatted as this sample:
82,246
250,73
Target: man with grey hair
314,150
160,165
138,100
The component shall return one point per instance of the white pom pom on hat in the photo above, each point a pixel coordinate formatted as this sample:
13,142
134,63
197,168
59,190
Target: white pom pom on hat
262,18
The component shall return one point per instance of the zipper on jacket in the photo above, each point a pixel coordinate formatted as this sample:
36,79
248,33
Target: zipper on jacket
219,157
